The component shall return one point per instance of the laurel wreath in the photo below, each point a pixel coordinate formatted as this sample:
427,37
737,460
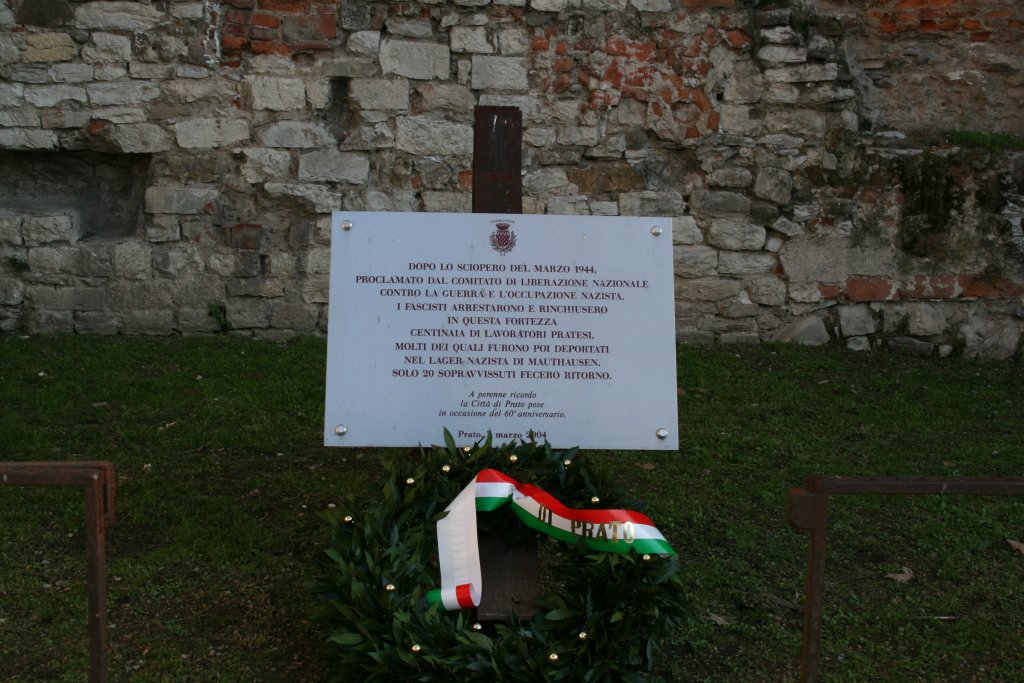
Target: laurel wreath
600,617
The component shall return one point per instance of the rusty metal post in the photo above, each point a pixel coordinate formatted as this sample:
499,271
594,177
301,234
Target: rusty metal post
808,509
98,482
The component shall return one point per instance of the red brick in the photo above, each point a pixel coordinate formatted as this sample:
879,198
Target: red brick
563,64
269,47
981,36
239,30
985,287
267,20
243,235
309,30
972,24
294,6
925,4
562,83
710,36
539,43
692,132
613,75
561,48
707,4
701,100
233,43
930,287
615,47
738,38
829,291
466,179
237,16
714,118
859,288
264,33
641,51
928,26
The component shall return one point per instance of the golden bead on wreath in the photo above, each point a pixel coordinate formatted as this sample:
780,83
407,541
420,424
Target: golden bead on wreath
553,656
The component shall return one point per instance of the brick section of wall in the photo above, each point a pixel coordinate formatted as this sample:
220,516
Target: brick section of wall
980,21
276,27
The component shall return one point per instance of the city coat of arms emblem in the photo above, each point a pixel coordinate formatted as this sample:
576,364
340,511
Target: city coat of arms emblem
503,239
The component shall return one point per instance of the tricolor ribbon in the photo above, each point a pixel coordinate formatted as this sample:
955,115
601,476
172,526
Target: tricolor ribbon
614,531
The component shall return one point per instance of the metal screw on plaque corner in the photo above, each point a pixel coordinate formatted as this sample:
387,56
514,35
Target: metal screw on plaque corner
662,434
341,430
346,225
656,231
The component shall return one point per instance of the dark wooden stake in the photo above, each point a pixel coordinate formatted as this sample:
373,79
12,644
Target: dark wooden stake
497,160
511,574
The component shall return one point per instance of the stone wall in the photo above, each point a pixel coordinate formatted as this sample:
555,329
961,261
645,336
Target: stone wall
799,147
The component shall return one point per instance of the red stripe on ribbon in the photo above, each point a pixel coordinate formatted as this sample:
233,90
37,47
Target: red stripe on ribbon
463,596
552,503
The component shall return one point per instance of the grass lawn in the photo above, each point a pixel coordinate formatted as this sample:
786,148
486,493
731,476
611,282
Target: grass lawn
221,475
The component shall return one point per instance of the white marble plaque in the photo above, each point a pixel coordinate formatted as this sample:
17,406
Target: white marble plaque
559,325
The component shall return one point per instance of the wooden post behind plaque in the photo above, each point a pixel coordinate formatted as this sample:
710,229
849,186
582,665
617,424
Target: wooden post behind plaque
511,574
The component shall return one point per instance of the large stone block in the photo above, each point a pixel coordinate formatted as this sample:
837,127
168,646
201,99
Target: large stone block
51,95
444,97
471,39
545,180
364,43
808,331
139,138
500,73
423,61
44,322
27,138
833,259
37,230
262,164
107,48
804,73
745,262
380,93
122,92
736,235
321,199
117,16
48,47
277,94
720,204
856,320
71,73
651,203
178,199
990,336
447,202
775,185
296,134
208,133
429,135
695,261
334,166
